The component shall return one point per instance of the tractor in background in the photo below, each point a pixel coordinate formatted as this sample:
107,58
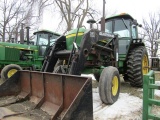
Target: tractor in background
28,55
155,63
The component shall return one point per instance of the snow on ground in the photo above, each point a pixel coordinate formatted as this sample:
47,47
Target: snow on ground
127,107
89,75
157,92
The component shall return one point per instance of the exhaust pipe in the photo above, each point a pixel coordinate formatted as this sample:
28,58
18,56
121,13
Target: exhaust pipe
103,17
27,34
22,34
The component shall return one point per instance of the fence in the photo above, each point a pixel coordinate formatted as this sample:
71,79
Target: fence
148,96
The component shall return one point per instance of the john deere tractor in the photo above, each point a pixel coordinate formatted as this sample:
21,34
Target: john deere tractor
29,55
106,54
132,56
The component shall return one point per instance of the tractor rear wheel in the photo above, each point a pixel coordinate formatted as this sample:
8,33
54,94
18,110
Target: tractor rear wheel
137,66
9,70
109,85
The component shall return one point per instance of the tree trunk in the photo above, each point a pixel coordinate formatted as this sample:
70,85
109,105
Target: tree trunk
4,35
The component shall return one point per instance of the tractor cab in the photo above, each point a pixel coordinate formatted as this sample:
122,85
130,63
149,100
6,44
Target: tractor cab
44,39
125,27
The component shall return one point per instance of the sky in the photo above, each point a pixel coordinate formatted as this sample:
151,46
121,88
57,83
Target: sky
138,9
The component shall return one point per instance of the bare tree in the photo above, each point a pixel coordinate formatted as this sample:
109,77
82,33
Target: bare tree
152,33
74,10
16,12
8,12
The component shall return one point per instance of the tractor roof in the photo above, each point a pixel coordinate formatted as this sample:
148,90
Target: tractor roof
46,31
122,15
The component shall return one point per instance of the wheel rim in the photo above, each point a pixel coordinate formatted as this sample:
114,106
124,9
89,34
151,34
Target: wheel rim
114,85
145,65
11,72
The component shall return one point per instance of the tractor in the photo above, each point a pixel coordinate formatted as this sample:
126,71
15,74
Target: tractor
133,60
117,50
27,55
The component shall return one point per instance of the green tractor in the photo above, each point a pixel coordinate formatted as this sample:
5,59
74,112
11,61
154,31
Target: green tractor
29,55
132,56
106,54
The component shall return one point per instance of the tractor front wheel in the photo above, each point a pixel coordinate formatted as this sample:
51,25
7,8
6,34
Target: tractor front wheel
109,85
9,70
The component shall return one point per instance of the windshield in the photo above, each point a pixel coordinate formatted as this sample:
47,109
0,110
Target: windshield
43,39
121,27
134,35
53,39
108,27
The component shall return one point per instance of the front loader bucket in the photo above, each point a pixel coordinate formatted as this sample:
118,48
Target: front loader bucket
62,97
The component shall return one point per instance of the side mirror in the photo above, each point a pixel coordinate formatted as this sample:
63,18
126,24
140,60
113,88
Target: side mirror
135,22
140,25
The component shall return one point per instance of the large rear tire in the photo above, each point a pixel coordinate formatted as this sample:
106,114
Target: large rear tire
137,66
9,70
109,85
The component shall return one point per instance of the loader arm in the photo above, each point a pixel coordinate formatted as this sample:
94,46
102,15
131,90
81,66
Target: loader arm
51,58
89,41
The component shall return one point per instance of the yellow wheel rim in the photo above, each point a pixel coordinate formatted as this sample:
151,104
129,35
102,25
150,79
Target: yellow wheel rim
11,72
145,65
114,85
